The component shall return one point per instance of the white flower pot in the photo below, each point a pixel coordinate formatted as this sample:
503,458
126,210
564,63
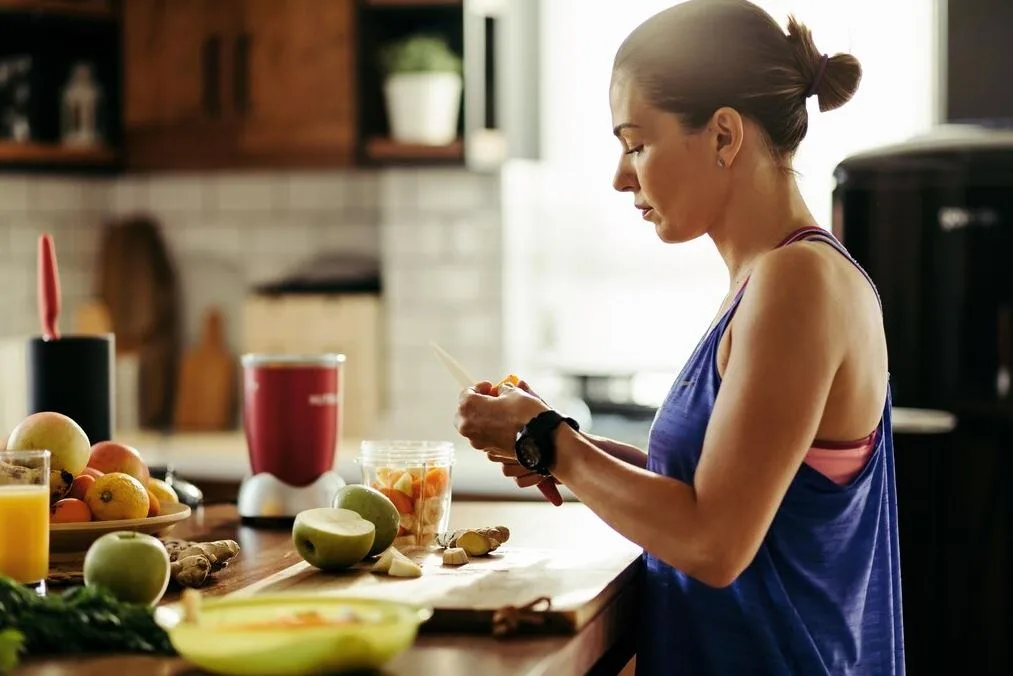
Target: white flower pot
423,107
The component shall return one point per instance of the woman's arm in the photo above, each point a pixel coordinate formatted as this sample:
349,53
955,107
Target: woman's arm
617,449
627,453
785,351
788,342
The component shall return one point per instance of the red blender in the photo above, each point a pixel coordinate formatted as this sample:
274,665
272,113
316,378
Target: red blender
292,418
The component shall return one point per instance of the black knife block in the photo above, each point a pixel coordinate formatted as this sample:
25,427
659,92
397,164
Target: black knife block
74,375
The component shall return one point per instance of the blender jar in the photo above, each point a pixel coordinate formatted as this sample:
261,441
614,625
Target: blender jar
416,476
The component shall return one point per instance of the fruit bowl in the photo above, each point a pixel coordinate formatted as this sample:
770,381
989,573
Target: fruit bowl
283,634
77,537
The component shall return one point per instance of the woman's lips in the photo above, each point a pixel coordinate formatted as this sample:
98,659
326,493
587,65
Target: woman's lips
646,213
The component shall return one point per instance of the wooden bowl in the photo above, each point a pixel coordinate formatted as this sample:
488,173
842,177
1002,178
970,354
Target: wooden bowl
77,537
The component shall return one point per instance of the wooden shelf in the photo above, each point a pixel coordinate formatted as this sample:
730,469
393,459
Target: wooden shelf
84,8
12,152
413,3
379,149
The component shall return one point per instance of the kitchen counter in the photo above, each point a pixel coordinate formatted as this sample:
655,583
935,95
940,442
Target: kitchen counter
603,646
222,458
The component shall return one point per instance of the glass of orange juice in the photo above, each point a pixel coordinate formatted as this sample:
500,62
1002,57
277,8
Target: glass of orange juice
24,516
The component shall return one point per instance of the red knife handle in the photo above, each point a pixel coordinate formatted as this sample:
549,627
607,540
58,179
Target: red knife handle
49,288
551,493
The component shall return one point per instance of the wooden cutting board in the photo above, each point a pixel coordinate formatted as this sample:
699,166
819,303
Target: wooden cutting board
206,392
566,587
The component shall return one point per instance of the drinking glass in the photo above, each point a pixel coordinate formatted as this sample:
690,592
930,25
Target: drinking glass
24,515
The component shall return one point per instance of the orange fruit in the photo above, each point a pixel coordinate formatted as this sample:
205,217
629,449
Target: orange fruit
69,510
401,501
79,487
162,491
116,496
153,505
512,379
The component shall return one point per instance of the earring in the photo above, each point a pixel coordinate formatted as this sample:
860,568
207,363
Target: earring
721,163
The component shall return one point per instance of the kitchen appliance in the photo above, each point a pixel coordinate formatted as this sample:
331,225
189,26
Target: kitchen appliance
931,220
292,409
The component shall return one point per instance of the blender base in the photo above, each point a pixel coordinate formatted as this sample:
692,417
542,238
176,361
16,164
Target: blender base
265,498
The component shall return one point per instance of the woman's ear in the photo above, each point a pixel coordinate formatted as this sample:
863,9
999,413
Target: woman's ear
726,127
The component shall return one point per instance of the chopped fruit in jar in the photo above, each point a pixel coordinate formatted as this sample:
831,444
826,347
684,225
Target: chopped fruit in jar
401,501
386,476
404,541
436,481
404,484
430,511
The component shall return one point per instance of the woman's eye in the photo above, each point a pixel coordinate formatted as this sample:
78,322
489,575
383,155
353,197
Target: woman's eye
635,151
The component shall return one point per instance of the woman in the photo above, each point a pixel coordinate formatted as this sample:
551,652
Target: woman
770,544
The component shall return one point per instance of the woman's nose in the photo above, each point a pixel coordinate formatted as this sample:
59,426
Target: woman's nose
625,180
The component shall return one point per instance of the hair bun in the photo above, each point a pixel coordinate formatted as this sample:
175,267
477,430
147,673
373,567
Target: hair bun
832,79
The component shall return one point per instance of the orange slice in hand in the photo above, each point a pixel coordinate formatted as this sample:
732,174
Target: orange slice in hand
512,379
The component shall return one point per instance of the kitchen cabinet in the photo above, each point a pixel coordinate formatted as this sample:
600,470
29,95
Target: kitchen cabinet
174,56
294,92
48,45
238,83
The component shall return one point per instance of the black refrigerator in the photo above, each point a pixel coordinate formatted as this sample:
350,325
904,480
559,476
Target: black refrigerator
931,220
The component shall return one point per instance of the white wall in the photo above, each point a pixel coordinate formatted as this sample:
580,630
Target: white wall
601,291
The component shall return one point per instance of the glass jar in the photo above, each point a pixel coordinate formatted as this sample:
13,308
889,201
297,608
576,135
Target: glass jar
416,476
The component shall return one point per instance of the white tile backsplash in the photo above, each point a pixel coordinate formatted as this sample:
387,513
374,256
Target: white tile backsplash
248,193
13,194
130,194
437,233
174,193
47,195
325,191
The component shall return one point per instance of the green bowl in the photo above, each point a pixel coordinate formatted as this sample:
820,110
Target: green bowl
379,631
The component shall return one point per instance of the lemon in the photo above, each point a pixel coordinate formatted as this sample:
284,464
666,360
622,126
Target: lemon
117,496
163,491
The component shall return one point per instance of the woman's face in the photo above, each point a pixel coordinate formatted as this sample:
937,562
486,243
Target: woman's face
673,173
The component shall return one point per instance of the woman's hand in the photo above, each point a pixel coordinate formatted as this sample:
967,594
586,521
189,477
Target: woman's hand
491,424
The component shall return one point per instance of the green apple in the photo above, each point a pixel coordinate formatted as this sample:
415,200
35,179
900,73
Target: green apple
332,539
371,505
133,566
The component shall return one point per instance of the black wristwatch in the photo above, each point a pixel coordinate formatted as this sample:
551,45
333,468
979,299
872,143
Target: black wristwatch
535,448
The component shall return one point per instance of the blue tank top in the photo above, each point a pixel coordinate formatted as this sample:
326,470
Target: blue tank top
823,594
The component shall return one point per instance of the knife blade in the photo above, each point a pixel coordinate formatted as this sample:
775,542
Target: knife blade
454,367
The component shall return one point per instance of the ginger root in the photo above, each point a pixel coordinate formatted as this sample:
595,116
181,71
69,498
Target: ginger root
455,556
475,541
192,563
16,474
59,479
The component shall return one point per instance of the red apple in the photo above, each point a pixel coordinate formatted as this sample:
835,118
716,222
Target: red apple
110,456
91,471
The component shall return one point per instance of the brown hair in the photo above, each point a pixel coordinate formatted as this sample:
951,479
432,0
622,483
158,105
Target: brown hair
701,55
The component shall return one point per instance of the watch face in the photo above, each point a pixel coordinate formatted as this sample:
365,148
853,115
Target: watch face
527,452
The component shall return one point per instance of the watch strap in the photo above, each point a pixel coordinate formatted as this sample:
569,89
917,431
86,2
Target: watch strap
541,430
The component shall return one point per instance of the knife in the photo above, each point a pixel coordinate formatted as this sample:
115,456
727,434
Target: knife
48,288
548,486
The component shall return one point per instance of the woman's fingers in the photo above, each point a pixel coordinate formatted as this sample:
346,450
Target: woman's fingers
529,480
515,470
499,455
522,475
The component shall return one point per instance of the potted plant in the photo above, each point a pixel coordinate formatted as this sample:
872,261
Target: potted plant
422,88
